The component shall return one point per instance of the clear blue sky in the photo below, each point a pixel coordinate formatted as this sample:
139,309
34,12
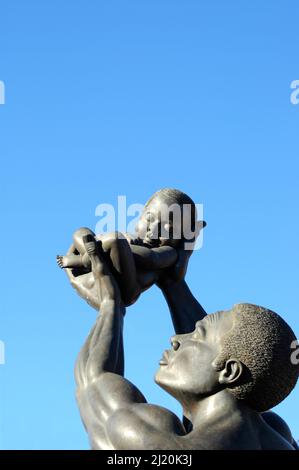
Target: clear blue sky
108,98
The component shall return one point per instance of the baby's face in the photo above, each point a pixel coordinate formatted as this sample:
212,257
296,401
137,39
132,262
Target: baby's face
157,227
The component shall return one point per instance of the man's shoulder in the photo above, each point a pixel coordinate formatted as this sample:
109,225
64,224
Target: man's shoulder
144,426
157,415
151,416
279,430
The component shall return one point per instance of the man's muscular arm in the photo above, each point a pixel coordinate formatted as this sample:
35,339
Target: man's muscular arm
184,308
114,411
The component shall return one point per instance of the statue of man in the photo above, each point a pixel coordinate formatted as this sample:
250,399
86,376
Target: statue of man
224,368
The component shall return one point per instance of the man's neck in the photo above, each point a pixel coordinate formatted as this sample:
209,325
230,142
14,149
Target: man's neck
216,409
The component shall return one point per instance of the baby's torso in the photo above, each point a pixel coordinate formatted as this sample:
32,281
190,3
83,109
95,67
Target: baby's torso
145,278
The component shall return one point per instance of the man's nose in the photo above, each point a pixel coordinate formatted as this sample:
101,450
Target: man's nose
175,343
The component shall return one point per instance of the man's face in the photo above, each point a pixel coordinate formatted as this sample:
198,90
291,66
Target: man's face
157,226
187,369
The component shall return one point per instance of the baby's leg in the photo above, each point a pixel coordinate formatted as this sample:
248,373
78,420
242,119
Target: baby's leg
78,239
82,260
123,265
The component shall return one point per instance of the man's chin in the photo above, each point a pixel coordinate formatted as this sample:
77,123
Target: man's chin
159,377
161,380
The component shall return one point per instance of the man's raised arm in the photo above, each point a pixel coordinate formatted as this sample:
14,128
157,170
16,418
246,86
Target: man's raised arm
100,364
184,308
107,354
114,411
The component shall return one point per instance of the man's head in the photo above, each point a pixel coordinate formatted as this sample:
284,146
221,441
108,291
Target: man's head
246,350
167,215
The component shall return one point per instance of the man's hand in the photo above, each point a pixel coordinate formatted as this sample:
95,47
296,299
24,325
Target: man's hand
178,271
84,283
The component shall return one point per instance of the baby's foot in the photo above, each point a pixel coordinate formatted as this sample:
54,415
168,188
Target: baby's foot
70,261
61,261
93,250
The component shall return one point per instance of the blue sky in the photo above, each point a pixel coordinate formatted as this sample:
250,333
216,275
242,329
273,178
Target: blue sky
108,98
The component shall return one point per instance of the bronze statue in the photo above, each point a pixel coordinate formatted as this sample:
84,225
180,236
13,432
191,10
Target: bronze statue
226,369
137,262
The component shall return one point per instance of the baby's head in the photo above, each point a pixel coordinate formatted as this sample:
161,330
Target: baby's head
166,218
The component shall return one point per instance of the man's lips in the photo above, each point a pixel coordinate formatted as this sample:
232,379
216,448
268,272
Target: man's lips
164,360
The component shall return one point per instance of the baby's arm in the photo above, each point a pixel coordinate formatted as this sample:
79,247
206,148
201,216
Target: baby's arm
154,258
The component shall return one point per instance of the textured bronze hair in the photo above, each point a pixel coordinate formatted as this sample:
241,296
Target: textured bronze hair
261,340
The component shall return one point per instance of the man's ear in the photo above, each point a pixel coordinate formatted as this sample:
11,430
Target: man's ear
231,372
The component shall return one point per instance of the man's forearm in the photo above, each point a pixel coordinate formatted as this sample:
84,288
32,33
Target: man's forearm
106,345
105,352
184,308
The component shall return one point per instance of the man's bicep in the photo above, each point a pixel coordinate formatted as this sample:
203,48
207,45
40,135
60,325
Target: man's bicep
144,426
99,400
110,392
